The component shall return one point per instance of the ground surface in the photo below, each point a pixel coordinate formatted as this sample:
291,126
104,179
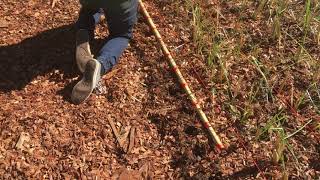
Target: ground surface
62,140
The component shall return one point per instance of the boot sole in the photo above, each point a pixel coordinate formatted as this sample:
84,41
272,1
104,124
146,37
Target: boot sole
84,88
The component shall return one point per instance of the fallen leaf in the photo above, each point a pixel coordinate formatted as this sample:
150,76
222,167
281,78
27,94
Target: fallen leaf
4,23
131,140
124,137
24,143
129,175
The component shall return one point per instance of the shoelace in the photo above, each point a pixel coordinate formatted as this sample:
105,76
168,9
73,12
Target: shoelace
100,88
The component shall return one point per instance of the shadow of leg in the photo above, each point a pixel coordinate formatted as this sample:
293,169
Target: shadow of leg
38,55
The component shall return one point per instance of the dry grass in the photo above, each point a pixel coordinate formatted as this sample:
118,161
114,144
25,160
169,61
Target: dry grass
264,57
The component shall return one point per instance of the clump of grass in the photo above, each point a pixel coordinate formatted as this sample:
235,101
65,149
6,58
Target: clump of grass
259,67
307,19
204,32
260,7
207,40
280,9
280,145
306,26
274,123
279,43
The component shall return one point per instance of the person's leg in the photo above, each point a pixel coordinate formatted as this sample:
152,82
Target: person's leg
85,32
86,20
121,20
89,66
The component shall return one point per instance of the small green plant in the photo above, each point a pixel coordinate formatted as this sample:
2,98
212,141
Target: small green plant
274,123
259,67
313,94
306,26
279,11
207,41
247,111
307,19
278,154
280,145
260,7
197,25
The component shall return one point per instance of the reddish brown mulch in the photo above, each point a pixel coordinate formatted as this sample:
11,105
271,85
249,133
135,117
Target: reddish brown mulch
62,140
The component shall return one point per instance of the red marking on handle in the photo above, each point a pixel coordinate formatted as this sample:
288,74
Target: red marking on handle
220,146
206,125
194,103
174,69
183,83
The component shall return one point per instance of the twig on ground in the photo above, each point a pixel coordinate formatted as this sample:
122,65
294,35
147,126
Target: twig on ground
124,137
53,4
289,136
131,140
114,129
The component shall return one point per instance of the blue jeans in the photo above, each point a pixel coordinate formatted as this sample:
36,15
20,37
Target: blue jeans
121,20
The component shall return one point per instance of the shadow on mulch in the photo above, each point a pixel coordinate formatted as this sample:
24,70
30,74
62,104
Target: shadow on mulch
38,55
314,163
50,50
66,91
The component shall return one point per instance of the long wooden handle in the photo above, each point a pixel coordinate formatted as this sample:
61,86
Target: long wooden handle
182,81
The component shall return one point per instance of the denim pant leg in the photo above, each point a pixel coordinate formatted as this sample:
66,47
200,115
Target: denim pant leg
120,22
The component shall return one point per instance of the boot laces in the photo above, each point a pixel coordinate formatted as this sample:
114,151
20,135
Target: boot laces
100,88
